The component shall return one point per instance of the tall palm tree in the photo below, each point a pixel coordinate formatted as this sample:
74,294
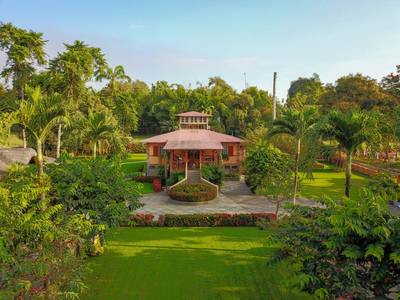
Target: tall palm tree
39,114
351,129
299,125
113,76
99,126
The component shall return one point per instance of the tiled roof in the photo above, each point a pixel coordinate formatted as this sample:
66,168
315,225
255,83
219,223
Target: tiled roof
193,139
193,114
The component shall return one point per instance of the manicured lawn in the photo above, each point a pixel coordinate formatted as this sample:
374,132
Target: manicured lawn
188,263
135,162
329,182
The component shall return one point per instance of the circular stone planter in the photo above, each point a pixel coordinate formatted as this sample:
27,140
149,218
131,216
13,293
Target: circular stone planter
193,192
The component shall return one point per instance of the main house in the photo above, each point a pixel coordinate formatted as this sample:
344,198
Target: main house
193,145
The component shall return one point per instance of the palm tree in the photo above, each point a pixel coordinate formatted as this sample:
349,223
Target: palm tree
350,130
39,114
113,75
299,125
99,126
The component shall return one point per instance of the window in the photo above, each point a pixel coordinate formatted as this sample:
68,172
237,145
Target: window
155,150
230,150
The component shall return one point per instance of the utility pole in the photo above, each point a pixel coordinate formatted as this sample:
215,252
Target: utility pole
245,81
274,97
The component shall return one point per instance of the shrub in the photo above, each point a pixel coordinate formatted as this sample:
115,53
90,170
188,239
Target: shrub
93,187
206,220
174,178
348,250
213,173
193,192
262,160
42,247
201,220
141,219
386,186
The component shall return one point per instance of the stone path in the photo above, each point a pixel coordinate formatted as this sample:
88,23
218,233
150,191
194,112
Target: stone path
235,197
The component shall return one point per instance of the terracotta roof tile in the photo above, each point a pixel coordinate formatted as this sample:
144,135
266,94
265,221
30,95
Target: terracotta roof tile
193,139
193,114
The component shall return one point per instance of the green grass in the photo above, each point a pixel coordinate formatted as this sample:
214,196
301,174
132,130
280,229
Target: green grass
139,137
329,182
135,162
189,263
146,187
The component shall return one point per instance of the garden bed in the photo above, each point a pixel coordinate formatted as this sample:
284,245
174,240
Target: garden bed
198,192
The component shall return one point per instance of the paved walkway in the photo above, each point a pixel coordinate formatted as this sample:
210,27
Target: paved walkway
235,197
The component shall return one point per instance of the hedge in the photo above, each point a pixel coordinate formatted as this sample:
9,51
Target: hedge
196,192
201,220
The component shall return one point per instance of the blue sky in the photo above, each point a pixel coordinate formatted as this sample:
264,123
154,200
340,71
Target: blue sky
190,41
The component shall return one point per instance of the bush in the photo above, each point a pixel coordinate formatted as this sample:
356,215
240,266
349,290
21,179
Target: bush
213,173
386,186
205,220
93,187
42,247
174,178
201,220
347,250
193,192
262,161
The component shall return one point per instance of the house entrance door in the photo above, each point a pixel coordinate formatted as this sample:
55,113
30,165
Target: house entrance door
194,159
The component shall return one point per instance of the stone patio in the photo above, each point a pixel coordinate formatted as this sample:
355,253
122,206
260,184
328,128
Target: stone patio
235,197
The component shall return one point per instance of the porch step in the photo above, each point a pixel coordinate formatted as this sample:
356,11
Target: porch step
193,176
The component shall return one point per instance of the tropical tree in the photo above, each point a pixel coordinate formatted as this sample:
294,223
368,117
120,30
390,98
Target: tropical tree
113,76
350,130
39,114
99,126
71,70
308,91
299,125
24,49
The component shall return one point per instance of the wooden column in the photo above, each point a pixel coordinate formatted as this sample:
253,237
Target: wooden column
171,160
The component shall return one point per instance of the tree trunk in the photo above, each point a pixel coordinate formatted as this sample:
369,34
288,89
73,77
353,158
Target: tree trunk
59,133
94,149
39,157
39,163
348,173
296,171
24,137
278,204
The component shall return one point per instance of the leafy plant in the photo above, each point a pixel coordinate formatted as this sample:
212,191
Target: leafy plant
349,249
95,187
212,173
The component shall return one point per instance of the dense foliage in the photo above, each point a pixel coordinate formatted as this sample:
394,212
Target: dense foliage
95,187
41,246
212,173
351,249
262,160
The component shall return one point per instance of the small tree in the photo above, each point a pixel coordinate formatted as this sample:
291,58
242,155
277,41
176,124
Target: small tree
351,129
299,125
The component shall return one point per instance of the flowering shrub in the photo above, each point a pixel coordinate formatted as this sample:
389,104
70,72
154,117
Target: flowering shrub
141,219
201,220
193,192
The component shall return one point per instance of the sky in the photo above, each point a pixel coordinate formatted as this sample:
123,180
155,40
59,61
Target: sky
189,41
